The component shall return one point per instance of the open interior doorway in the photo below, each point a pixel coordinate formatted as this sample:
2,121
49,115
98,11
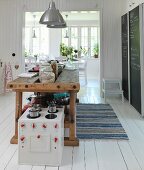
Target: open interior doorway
82,34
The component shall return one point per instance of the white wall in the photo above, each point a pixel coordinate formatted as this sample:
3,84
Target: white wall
8,32
93,68
111,37
54,43
12,22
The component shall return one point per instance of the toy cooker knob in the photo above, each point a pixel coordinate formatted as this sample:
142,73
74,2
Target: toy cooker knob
22,125
56,126
22,138
55,139
44,126
38,136
33,125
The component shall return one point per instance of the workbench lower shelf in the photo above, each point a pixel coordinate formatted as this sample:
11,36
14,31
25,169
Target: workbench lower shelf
68,142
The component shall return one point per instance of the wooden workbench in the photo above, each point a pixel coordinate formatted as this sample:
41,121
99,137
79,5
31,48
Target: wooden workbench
68,81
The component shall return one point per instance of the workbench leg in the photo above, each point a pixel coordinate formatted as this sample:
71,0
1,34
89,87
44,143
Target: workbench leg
18,113
72,112
72,106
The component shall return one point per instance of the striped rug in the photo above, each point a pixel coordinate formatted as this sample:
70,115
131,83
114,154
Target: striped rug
98,121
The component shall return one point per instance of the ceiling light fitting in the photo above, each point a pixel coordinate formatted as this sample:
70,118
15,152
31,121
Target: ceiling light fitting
52,17
66,35
34,34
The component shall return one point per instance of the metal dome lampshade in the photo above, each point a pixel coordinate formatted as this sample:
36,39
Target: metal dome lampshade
52,17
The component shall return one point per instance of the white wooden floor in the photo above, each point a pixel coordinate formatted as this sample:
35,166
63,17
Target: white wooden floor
91,154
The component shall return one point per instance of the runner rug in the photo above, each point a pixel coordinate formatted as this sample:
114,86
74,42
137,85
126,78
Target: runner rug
98,121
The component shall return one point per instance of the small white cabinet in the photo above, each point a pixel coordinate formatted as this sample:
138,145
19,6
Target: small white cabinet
112,87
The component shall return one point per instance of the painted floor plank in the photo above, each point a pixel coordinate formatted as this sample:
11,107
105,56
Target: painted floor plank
109,156
67,158
5,133
7,156
52,168
78,157
128,155
38,168
24,167
91,160
13,164
8,126
5,144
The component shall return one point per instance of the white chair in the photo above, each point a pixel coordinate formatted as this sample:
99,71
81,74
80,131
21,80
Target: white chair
30,62
43,59
82,66
112,87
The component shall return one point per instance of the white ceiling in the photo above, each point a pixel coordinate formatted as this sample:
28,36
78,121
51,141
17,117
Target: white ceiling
82,15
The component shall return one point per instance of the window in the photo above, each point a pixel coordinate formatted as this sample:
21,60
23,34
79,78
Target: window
39,44
35,41
84,41
94,38
44,41
74,37
82,38
64,34
27,40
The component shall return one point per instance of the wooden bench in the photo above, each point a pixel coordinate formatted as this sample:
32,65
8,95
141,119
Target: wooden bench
68,81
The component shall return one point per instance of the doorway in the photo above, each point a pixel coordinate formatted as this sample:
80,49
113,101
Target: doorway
82,33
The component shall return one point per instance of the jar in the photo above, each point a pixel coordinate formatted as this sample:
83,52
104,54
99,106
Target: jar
46,74
54,66
33,99
45,67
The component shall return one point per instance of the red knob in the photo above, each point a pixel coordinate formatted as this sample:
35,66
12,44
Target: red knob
33,126
44,126
38,136
22,125
56,125
55,139
22,138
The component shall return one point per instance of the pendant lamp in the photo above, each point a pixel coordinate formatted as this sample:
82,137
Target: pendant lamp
34,33
66,35
52,17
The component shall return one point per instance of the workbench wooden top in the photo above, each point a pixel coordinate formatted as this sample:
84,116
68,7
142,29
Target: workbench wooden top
68,80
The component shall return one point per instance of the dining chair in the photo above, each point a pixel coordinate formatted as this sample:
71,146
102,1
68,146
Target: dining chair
82,66
43,59
30,61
